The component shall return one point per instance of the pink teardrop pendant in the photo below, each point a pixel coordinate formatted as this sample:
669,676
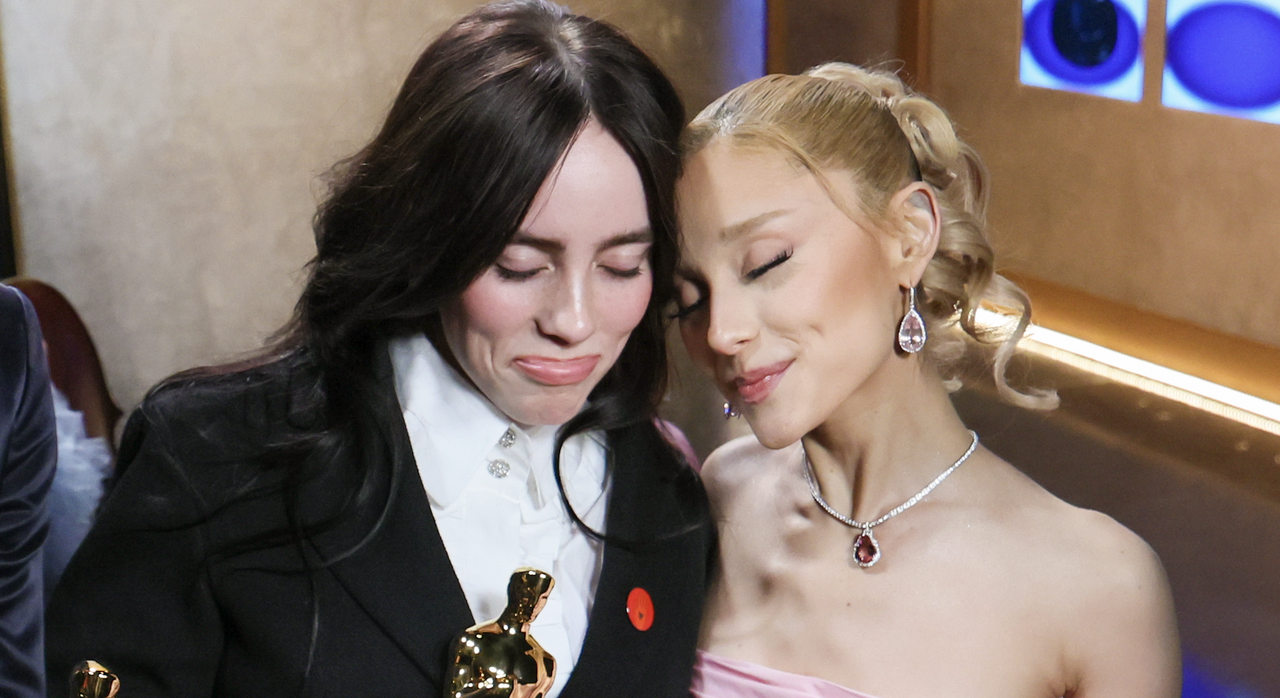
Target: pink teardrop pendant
866,550
911,334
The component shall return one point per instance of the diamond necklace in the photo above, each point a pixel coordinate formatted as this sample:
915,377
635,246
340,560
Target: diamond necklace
866,549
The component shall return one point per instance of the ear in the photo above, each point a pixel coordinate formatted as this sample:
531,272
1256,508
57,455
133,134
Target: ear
914,214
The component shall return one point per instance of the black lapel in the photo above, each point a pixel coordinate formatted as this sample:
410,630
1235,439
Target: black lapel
401,576
645,504
403,579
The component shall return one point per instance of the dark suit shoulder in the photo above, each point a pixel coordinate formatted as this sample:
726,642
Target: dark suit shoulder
19,338
216,435
28,454
255,402
12,303
28,436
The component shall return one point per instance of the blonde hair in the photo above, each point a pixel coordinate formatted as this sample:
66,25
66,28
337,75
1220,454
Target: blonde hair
867,123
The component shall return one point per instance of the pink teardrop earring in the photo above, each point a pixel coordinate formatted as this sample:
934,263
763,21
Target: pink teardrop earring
911,332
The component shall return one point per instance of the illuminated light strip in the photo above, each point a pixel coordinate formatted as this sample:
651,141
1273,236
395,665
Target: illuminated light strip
1153,378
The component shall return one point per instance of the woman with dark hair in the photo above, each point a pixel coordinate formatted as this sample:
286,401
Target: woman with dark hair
468,386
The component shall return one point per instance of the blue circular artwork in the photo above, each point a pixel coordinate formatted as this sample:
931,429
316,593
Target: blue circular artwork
1084,31
1087,42
1228,54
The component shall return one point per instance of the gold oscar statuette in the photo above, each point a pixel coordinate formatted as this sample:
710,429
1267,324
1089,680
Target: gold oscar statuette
92,680
499,659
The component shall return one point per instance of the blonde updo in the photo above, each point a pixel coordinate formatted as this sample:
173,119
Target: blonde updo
840,117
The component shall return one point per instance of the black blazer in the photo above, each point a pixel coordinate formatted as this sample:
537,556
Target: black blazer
163,593
28,453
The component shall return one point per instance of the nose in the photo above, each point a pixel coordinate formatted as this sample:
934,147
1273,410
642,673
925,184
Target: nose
567,316
731,324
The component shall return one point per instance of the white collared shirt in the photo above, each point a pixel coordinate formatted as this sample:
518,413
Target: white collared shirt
494,498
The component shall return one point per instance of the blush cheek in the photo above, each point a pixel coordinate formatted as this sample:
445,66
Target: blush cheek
486,324
495,309
623,309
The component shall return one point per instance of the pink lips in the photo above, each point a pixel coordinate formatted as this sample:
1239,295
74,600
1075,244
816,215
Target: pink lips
754,386
549,371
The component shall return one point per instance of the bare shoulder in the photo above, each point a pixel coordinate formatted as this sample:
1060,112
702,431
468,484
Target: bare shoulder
1070,537
1090,551
1114,546
741,462
1124,637
1123,572
1110,596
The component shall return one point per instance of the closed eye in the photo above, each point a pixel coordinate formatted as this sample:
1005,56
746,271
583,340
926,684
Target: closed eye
686,311
692,297
764,268
515,275
630,273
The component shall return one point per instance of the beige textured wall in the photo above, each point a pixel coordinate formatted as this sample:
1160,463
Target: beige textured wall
1171,211
166,154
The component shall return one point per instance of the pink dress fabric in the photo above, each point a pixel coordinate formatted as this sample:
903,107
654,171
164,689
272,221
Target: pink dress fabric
676,438
721,677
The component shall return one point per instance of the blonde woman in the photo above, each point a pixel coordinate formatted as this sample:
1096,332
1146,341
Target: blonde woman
833,260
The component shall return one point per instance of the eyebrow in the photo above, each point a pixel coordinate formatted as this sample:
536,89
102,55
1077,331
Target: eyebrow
737,230
548,246
729,233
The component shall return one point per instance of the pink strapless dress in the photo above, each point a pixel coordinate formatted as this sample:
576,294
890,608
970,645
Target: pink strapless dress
721,677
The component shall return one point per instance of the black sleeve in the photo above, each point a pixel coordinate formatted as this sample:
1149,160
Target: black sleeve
28,453
136,596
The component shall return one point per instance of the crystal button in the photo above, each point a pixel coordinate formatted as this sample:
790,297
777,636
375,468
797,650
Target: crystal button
499,468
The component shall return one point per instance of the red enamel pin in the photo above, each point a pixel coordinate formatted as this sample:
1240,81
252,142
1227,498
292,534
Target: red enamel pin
640,609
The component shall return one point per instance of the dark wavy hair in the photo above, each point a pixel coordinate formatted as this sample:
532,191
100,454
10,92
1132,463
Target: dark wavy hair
420,212
483,118
481,121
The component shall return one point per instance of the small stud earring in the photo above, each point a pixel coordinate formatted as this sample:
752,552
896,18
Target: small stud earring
911,332
731,411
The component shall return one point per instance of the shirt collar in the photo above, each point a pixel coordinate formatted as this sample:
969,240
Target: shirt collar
453,427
